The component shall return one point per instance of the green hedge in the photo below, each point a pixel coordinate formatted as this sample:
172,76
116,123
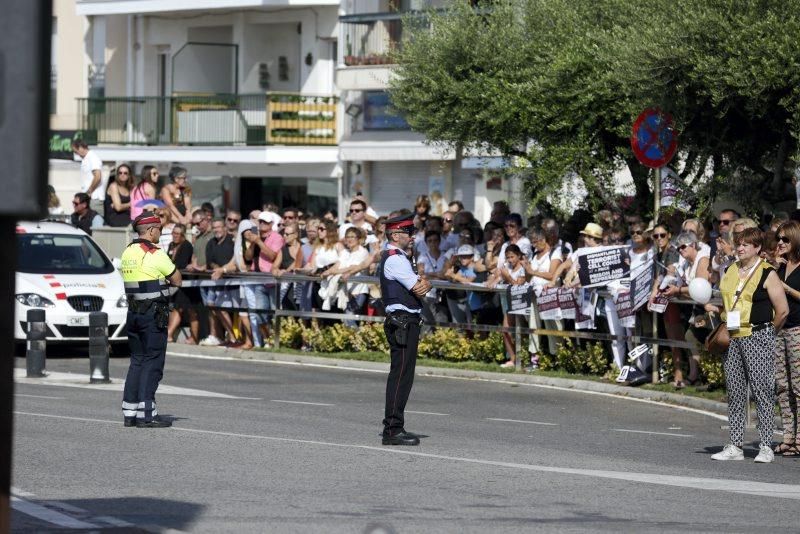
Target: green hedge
440,344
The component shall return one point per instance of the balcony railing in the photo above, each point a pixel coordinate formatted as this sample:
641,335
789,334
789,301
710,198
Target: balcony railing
256,119
373,38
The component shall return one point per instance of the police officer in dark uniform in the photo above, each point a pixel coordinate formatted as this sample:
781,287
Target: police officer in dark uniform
402,291
148,273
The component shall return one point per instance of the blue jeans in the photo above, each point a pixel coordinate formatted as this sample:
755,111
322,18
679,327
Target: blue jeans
259,308
354,306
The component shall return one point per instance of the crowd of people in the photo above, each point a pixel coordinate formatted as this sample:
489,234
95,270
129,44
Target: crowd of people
451,245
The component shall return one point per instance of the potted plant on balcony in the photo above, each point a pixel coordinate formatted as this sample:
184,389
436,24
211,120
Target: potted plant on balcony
349,58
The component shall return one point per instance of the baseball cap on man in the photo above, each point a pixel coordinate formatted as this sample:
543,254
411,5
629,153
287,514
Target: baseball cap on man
271,217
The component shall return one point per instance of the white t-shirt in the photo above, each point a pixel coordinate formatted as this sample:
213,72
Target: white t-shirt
90,163
640,258
365,227
325,257
348,259
524,245
432,265
543,265
689,272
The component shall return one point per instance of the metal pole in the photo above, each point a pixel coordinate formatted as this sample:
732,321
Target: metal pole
656,211
518,342
277,326
36,354
98,348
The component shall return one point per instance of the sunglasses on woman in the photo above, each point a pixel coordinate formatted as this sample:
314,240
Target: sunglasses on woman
784,239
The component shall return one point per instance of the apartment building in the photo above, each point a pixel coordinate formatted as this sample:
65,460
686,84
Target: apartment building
75,58
380,154
241,93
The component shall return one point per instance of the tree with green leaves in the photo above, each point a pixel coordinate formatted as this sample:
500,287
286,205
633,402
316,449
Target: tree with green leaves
558,83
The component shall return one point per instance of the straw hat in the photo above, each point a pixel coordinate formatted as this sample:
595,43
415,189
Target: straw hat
593,230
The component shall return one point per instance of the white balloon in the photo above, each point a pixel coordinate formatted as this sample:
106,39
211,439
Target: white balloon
700,290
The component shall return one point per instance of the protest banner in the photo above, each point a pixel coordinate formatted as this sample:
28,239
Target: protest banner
624,304
642,284
630,300
519,299
548,304
597,266
566,302
585,304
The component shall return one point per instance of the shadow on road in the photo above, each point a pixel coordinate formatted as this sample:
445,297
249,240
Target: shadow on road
117,515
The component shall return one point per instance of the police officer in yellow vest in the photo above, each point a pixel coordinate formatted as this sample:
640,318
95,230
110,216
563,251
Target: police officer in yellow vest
148,273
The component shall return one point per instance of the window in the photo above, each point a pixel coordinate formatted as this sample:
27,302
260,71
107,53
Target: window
60,254
378,113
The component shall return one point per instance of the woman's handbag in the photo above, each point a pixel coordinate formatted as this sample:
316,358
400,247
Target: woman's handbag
719,339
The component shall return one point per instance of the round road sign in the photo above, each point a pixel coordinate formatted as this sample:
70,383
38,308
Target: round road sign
654,140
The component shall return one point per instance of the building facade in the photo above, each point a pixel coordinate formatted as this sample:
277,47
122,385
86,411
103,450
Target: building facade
280,101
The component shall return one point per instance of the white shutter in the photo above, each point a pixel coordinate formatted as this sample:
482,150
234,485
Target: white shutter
464,181
396,184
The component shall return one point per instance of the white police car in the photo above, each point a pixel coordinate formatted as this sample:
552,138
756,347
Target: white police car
62,271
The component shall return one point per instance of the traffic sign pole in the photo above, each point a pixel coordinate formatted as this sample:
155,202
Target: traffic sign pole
657,195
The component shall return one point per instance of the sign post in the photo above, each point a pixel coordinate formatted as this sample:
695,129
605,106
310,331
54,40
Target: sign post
654,143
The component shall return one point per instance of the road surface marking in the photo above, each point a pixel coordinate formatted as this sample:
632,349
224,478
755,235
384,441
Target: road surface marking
37,396
113,521
473,379
279,362
654,433
300,402
518,421
427,413
76,380
46,514
19,493
763,489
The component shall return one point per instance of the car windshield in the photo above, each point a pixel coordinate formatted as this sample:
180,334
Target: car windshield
56,253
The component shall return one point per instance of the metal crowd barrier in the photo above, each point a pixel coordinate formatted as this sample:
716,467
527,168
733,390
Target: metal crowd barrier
202,279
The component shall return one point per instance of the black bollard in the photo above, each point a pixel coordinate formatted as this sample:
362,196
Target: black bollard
98,348
36,354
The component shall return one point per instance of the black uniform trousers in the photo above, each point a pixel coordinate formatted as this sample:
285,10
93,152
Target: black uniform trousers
148,344
401,374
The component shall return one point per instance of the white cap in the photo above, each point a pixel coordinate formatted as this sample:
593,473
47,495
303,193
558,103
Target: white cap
465,250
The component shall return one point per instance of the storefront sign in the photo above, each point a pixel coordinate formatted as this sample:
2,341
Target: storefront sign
60,145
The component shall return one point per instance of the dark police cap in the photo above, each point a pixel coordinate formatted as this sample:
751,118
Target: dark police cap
403,223
147,217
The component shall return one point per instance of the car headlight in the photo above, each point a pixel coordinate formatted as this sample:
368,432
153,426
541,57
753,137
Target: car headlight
122,302
34,301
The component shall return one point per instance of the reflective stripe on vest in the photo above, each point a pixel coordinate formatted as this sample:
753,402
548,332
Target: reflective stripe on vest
147,289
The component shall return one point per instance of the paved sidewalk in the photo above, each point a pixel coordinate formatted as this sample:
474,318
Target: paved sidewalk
567,383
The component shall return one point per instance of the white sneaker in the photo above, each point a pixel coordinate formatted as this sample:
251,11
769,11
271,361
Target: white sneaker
210,341
730,452
765,455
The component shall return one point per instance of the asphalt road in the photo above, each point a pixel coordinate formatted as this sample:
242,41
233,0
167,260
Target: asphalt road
272,447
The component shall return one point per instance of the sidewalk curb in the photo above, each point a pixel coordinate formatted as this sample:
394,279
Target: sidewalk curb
510,378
